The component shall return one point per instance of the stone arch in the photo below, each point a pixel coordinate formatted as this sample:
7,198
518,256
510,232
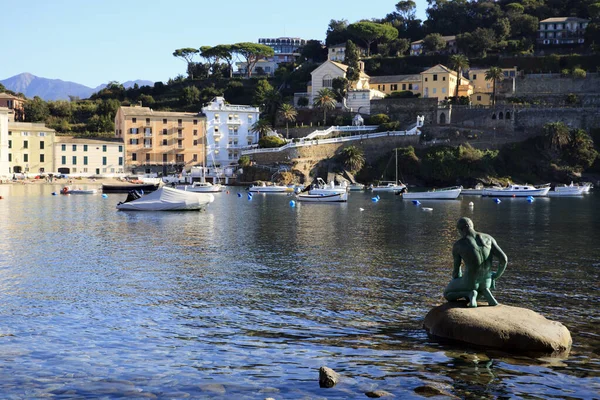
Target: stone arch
442,118
508,115
494,116
501,115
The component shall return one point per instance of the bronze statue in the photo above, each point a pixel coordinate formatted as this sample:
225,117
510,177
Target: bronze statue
476,250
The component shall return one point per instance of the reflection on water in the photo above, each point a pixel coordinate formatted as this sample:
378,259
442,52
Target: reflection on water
249,298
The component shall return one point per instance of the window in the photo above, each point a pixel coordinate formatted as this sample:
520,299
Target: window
443,90
74,147
426,79
42,134
147,157
42,158
180,144
195,143
165,158
474,76
195,157
404,86
85,147
164,120
24,133
9,133
63,160
104,148
444,78
434,90
134,120
25,144
74,160
165,132
410,87
120,160
249,119
133,131
25,157
217,117
393,88
10,144
478,98
41,145
133,157
120,149
85,160
195,132
165,142
103,160
179,122
435,77
327,81
147,121
195,122
9,157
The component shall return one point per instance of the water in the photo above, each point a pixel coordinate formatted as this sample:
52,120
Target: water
249,298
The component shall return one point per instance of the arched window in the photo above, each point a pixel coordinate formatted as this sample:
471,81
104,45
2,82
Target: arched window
494,116
508,115
501,115
442,118
327,81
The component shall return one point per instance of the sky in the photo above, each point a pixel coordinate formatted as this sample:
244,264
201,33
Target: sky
94,42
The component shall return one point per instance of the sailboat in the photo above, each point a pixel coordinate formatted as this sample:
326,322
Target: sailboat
202,186
388,186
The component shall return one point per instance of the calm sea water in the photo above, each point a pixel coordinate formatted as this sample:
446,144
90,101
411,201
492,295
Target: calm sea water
249,298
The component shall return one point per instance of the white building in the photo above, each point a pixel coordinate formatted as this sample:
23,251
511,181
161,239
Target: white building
4,164
228,131
89,157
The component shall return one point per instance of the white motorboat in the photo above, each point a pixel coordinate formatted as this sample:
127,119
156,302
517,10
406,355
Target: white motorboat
322,188
264,188
69,190
202,187
389,187
323,198
356,187
450,193
567,190
166,199
586,186
477,190
517,191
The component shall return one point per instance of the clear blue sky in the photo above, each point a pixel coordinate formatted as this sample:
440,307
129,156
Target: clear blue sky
94,42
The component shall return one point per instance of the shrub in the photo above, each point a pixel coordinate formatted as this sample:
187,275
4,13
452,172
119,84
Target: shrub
378,119
270,141
389,126
406,94
244,161
578,73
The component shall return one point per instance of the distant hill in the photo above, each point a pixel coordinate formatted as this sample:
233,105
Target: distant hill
56,89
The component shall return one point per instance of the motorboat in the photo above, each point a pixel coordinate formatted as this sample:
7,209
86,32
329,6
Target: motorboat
567,190
586,186
389,187
166,199
323,198
450,193
202,187
264,188
128,187
517,191
69,190
322,188
356,187
477,190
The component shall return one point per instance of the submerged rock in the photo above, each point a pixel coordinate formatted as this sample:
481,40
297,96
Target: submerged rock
512,329
328,377
378,393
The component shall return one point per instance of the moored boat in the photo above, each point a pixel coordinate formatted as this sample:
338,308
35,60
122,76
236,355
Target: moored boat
69,190
450,193
323,198
389,187
202,187
567,190
322,188
477,190
166,199
264,188
517,191
127,187
356,187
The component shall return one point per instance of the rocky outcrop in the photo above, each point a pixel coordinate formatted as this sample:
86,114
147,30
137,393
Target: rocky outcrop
512,329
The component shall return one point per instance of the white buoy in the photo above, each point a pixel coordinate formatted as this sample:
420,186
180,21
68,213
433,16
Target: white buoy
361,209
426,209
471,204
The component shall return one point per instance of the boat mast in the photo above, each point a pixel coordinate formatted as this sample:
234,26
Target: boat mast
396,166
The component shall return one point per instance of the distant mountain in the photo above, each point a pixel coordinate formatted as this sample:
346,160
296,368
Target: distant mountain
56,89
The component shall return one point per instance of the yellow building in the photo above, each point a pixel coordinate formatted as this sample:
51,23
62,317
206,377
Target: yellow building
396,83
441,81
89,157
482,88
31,148
159,141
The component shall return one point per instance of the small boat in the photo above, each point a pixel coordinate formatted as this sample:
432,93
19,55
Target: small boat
356,187
323,198
567,190
517,191
166,199
264,188
128,187
322,188
477,190
202,187
389,187
69,190
450,193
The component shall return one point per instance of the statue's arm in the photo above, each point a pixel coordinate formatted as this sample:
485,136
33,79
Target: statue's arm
456,272
502,260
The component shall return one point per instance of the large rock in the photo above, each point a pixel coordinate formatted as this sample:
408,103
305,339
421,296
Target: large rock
503,327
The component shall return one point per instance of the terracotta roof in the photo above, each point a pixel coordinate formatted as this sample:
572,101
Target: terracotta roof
565,19
395,78
90,141
344,68
137,111
438,69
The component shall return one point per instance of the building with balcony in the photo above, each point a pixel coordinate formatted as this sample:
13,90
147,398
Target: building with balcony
287,50
562,30
440,81
15,104
228,131
30,148
416,48
482,88
160,142
337,52
4,164
89,157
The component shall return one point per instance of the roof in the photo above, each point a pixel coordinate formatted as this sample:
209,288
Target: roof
10,96
137,111
90,141
344,68
438,69
446,38
395,78
564,19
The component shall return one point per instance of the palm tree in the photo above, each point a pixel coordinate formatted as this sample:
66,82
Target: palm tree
326,100
494,74
262,127
288,113
353,158
459,63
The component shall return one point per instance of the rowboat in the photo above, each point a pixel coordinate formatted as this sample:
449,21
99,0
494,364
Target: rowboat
263,188
69,190
450,193
323,198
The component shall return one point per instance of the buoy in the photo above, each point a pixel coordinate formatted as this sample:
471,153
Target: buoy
227,192
375,199
426,209
416,202
104,195
530,199
361,209
378,198
239,195
53,193
249,196
471,204
497,201
292,203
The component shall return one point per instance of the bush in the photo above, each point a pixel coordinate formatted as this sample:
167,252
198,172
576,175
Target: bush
270,141
389,126
578,73
244,161
378,119
406,94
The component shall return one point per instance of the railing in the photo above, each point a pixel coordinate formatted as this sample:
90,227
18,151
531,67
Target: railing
363,128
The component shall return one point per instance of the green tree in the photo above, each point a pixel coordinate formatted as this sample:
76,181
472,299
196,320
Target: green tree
288,113
252,53
370,32
325,100
494,74
186,54
556,136
263,87
36,110
100,124
219,52
433,43
147,100
459,63
353,158
190,95
406,9
337,32
351,59
303,102
313,51
244,161
262,127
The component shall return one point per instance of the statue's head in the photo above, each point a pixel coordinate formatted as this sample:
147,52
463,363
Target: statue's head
465,225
